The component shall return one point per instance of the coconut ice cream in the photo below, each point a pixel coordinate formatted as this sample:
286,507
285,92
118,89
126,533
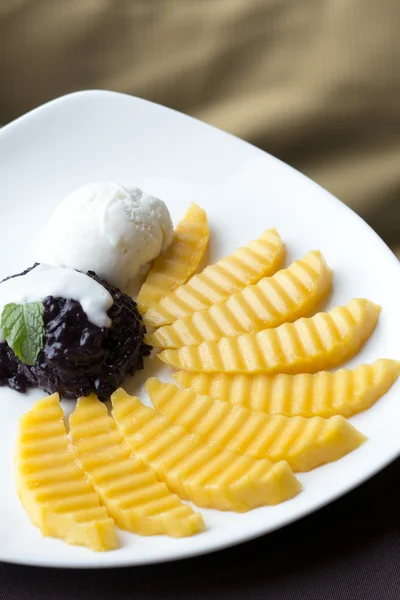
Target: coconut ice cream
107,228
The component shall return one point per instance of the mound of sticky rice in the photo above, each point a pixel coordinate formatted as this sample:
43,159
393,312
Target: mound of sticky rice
78,357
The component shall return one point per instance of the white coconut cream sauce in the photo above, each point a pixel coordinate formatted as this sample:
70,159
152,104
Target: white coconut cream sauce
60,282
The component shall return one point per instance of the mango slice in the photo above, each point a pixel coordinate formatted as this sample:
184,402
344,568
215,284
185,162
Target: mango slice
286,296
345,392
303,443
305,346
196,471
52,487
179,262
130,491
260,258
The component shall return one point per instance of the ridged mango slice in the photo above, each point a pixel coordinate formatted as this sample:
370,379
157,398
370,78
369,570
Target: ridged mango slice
286,296
130,491
260,258
305,346
303,443
53,489
196,471
179,262
345,392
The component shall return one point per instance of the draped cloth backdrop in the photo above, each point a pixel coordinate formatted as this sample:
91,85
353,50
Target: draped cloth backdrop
314,82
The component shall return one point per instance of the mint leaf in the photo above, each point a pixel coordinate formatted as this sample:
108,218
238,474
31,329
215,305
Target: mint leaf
23,328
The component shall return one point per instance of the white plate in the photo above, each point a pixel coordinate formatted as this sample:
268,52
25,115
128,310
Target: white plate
96,135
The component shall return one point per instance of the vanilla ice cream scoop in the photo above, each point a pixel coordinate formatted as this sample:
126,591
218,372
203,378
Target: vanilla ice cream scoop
106,228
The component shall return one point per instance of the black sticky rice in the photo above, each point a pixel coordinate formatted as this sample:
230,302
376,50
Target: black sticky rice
78,357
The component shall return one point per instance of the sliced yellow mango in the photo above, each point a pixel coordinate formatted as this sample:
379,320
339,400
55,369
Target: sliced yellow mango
179,262
260,258
53,489
196,471
303,443
130,491
305,346
286,296
345,392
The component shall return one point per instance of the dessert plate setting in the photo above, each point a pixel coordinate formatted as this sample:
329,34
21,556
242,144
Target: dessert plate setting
243,351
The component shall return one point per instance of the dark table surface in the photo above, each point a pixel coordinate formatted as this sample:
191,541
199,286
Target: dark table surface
350,550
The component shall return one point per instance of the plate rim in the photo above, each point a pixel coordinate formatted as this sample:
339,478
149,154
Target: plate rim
216,545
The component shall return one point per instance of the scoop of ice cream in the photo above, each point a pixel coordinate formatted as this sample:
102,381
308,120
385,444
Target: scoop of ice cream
106,228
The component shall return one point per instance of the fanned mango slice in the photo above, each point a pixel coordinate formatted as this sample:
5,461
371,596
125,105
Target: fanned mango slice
130,491
305,346
345,392
260,258
179,262
288,295
53,489
196,471
303,443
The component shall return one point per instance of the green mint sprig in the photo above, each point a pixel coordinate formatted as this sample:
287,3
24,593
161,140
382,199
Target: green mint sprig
23,329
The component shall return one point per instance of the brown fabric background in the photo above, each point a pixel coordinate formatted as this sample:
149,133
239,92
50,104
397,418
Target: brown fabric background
314,82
